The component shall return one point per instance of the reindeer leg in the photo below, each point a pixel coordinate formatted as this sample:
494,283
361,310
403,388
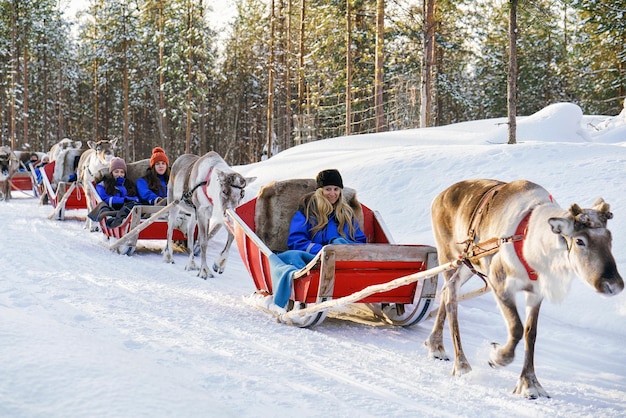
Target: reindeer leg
220,264
203,226
449,308
194,221
528,385
461,365
171,220
504,355
434,342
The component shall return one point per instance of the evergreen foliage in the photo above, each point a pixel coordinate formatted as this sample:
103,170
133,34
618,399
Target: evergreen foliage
154,72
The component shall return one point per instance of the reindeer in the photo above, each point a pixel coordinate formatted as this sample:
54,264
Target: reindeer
92,167
9,165
530,244
67,154
206,187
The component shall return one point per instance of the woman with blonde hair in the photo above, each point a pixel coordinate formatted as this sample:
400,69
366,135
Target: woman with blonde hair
324,217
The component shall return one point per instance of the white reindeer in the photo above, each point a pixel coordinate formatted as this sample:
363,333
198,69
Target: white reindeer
92,166
206,187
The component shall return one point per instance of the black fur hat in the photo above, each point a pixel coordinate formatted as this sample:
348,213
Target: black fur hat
329,178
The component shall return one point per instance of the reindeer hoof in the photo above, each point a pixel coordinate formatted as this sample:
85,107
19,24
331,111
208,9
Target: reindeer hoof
218,269
530,389
436,351
204,274
499,357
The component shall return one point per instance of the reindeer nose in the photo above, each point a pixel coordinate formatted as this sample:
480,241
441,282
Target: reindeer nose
611,283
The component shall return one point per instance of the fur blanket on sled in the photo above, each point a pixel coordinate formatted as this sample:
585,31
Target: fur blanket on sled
278,201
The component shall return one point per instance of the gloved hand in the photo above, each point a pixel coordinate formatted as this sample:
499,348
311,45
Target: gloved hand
160,201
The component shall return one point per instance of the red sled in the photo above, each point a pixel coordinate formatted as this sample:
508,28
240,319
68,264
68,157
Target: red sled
62,196
338,272
145,222
25,182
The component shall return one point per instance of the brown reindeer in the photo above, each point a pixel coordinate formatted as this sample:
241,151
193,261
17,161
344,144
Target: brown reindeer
539,249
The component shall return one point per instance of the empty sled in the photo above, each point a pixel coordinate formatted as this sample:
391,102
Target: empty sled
62,196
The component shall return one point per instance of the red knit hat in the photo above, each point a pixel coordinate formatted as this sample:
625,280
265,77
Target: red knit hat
158,155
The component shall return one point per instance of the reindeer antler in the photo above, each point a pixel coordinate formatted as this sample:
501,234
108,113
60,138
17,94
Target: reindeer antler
596,217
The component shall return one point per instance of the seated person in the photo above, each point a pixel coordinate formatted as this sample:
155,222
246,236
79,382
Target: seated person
117,193
324,217
33,159
152,188
45,160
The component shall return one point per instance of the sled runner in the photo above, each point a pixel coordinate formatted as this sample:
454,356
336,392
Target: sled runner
355,277
65,196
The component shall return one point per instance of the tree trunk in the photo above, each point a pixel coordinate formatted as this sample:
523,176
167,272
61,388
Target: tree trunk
14,67
427,63
287,142
380,59
511,97
161,117
270,85
348,69
25,101
301,91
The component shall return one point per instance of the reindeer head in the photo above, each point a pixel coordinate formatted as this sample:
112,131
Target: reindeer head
232,188
105,149
8,163
589,245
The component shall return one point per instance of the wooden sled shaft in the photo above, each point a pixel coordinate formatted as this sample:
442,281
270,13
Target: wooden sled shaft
60,205
401,281
143,225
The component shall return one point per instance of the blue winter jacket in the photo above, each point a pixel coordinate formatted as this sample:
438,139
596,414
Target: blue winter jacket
300,236
148,196
117,200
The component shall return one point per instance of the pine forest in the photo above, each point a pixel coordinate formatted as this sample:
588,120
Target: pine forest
283,72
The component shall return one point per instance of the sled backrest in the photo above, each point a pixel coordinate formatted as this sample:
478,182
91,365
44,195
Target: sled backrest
278,201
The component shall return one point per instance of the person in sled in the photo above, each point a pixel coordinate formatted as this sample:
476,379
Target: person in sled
117,194
152,188
324,217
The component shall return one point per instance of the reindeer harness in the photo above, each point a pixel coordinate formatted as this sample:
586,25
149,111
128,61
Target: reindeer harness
473,251
204,184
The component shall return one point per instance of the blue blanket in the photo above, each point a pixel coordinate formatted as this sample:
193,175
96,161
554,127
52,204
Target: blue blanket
282,267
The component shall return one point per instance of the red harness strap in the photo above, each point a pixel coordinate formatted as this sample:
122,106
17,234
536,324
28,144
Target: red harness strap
518,244
206,182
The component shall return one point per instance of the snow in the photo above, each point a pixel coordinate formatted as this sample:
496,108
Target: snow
86,332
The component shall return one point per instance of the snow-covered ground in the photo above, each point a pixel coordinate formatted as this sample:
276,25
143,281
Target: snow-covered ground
85,332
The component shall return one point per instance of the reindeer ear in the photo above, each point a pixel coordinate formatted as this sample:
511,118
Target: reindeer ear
250,180
575,209
561,226
220,175
92,144
604,208
78,144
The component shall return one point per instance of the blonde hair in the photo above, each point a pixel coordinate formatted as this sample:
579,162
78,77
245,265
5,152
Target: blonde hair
319,209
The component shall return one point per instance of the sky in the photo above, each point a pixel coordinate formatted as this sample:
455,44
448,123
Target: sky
87,332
